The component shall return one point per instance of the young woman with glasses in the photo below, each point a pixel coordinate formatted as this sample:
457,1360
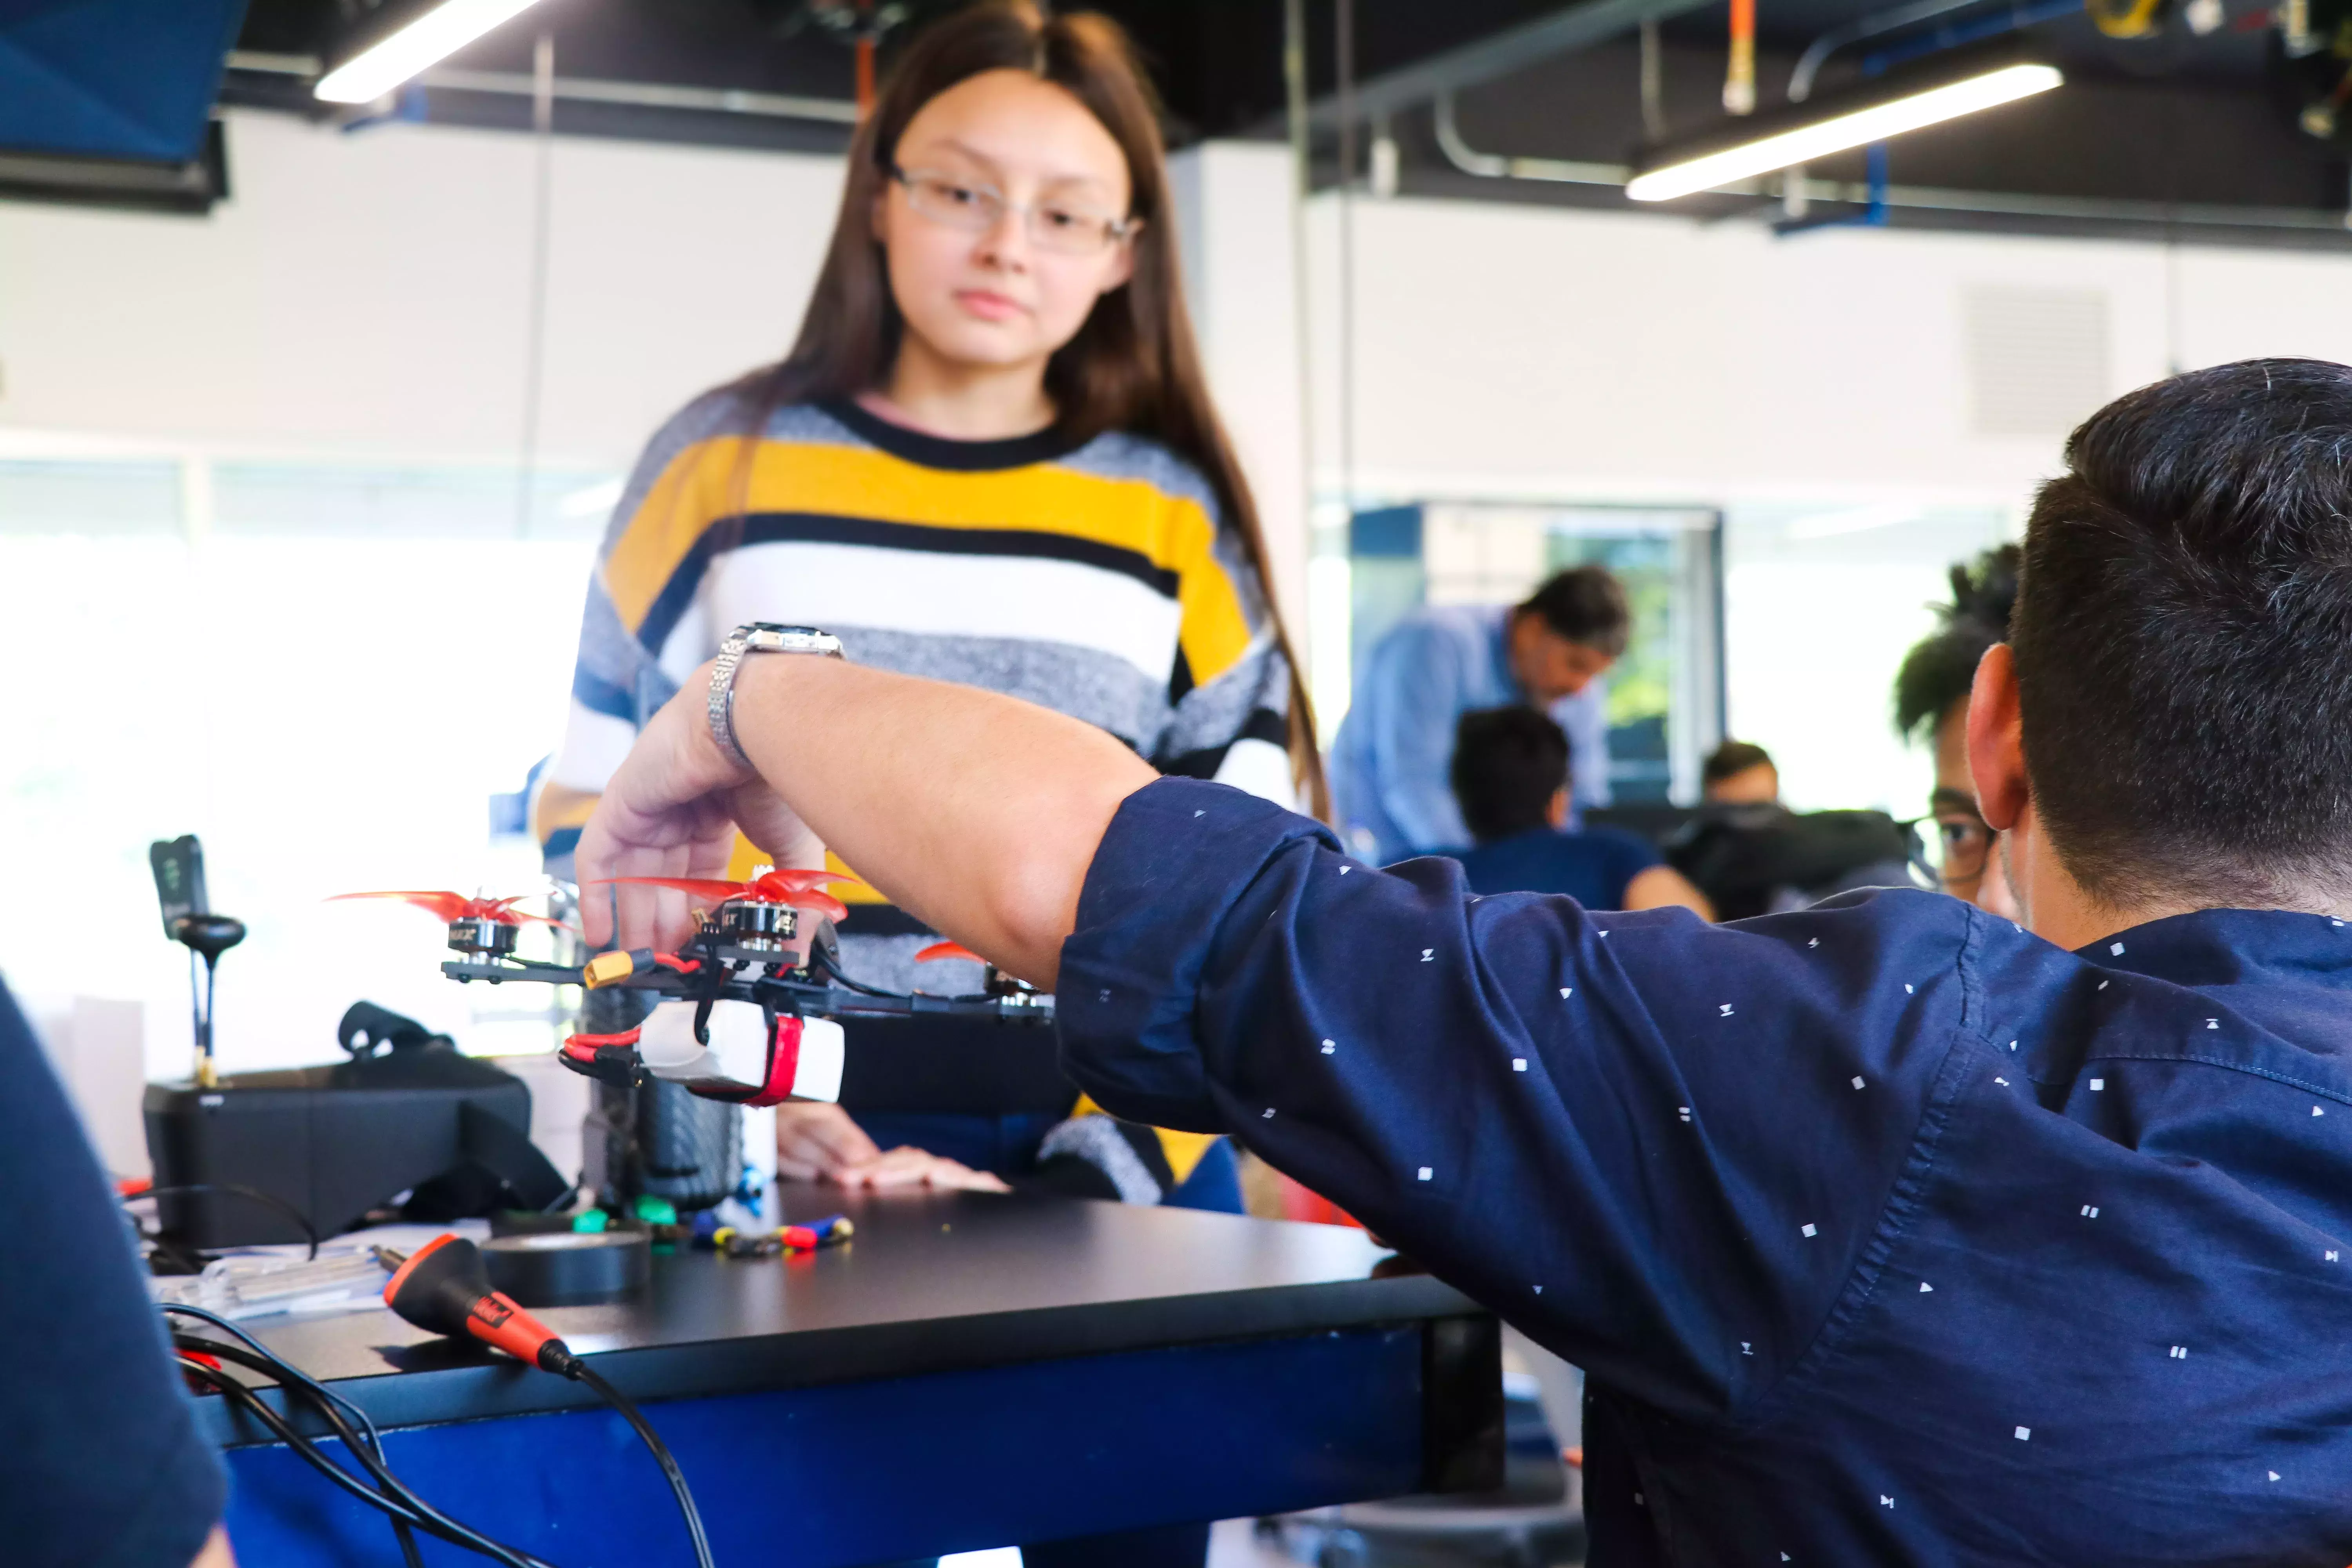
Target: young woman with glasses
990,457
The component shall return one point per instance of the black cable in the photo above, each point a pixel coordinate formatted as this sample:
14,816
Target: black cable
261,1358
233,1189
826,962
400,1508
582,1371
368,1450
251,1403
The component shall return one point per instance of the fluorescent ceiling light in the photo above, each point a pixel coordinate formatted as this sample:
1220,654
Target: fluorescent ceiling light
1858,128
433,36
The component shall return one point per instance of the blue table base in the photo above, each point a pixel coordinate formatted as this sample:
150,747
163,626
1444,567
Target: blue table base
850,1474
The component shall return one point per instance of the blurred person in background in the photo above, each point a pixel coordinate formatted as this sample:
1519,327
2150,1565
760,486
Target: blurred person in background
1931,705
1739,772
1390,766
1510,777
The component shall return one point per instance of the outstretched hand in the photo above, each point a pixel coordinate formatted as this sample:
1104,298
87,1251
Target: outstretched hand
672,810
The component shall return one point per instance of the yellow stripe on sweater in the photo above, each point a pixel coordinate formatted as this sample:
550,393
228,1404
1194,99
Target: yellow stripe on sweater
705,482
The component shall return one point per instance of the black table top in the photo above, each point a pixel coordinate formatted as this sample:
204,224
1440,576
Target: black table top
933,1282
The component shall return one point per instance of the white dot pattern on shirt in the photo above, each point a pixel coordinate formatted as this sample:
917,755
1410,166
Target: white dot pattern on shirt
2024,1433
1518,1064
1812,1230
1425,1173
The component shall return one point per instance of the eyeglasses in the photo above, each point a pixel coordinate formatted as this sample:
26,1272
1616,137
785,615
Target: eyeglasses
1065,228
1956,852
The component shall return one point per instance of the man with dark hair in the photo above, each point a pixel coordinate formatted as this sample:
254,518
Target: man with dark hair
1739,772
1389,766
1931,704
1510,776
1887,1232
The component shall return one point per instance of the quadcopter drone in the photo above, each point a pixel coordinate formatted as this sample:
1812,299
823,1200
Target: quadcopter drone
748,1005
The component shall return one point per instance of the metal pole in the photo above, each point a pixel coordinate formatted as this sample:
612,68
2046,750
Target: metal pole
542,124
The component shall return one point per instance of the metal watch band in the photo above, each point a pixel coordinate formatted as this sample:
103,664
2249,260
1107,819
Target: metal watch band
754,637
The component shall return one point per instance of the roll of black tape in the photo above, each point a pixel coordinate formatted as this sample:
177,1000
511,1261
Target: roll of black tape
568,1268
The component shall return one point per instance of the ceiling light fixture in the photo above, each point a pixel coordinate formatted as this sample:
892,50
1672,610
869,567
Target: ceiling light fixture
429,39
1882,108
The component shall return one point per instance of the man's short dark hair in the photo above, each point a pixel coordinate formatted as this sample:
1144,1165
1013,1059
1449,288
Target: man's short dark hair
2183,638
1585,604
1508,764
1942,665
1731,759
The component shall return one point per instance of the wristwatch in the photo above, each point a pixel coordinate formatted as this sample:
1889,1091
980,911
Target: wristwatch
754,637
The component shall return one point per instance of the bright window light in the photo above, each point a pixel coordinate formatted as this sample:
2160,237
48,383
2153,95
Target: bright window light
1858,129
431,37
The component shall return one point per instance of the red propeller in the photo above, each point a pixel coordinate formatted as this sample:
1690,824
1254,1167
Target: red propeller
800,889
454,906
948,950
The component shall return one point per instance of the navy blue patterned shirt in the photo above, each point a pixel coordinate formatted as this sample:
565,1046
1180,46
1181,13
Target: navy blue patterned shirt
1886,1232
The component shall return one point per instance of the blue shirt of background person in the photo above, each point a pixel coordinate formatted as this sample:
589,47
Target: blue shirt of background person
1389,766
1511,779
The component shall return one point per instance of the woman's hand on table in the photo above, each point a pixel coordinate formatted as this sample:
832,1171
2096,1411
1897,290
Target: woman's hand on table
820,1143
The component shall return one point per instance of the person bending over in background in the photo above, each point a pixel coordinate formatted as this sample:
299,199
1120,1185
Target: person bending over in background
991,458
1511,778
1931,704
105,1468
1739,772
1887,1233
1390,763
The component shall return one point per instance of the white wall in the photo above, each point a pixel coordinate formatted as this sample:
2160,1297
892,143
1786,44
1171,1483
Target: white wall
367,294
1504,350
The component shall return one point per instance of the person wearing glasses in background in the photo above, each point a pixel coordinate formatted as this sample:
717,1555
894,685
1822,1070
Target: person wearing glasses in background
989,458
1931,704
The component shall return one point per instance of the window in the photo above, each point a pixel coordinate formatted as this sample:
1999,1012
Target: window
1664,695
323,671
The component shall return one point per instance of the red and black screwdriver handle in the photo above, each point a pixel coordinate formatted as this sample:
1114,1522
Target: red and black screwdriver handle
443,1287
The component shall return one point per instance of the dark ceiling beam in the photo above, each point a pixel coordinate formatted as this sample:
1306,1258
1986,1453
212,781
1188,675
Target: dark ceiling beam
1497,55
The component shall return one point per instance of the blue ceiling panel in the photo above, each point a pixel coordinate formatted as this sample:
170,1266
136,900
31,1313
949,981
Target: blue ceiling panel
112,78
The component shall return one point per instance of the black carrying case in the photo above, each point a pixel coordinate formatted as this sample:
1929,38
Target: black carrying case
337,1141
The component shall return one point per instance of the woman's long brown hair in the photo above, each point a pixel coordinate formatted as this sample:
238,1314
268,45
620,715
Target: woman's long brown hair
1133,365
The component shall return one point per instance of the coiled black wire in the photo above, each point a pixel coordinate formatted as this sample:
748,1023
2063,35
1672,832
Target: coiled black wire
390,1495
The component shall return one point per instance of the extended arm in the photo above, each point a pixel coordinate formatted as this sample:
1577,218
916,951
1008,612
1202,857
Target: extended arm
977,812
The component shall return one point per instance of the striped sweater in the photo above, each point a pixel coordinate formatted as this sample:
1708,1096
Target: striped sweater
1099,580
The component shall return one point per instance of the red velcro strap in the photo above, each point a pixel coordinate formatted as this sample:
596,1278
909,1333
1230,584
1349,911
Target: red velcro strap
784,1063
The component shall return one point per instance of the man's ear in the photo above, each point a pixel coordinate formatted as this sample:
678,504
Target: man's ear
1997,742
1557,812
